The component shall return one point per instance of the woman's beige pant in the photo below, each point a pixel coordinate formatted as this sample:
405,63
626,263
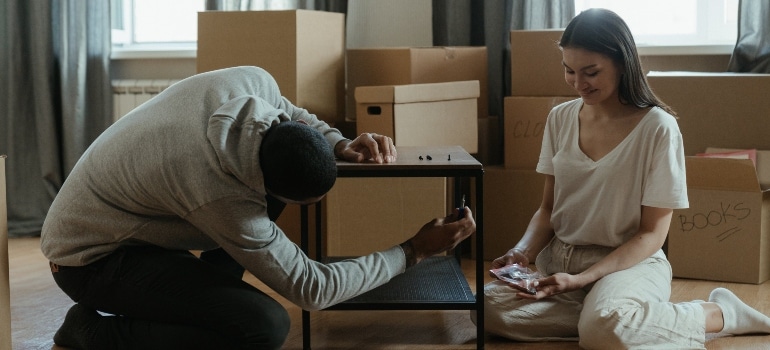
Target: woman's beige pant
628,309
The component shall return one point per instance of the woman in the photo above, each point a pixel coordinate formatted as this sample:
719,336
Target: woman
614,166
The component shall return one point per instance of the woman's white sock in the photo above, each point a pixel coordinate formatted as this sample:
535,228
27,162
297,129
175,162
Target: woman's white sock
739,318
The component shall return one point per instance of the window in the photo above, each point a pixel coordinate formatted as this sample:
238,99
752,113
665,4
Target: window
138,22
675,23
153,22
169,24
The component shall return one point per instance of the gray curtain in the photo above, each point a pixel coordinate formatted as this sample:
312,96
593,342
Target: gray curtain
55,97
752,48
246,5
488,23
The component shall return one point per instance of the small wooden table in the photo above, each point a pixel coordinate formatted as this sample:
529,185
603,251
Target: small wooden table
442,285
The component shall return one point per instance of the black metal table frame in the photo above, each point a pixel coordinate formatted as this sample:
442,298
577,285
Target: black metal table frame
474,171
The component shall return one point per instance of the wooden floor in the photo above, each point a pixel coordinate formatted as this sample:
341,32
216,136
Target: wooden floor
38,307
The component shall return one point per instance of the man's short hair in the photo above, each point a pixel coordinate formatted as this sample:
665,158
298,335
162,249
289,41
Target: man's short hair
297,162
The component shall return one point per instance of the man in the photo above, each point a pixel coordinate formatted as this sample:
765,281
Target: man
208,164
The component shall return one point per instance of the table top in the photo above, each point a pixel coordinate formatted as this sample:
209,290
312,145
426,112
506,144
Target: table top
443,160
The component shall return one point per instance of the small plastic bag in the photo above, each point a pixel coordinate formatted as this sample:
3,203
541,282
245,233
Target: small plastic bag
520,277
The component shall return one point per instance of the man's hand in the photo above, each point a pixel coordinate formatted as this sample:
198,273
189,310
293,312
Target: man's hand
440,235
379,148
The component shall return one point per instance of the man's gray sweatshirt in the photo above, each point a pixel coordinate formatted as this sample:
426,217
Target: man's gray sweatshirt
182,172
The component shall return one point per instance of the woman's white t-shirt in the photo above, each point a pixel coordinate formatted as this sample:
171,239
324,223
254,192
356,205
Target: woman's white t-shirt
599,202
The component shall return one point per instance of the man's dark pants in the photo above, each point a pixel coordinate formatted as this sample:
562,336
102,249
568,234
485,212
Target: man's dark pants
171,299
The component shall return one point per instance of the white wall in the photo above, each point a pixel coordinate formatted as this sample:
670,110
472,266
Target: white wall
377,23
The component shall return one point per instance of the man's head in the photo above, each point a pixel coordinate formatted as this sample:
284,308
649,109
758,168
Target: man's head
297,162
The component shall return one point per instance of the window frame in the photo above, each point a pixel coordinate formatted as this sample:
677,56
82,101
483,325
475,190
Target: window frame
129,50
708,26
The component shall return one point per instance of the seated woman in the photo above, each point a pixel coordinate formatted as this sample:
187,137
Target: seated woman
614,166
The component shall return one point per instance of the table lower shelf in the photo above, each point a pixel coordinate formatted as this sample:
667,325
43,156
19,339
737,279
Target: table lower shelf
437,283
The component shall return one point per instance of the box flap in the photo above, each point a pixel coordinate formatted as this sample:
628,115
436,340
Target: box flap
702,74
410,93
763,164
410,48
722,174
547,30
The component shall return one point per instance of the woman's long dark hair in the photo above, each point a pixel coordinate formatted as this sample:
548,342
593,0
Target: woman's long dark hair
604,32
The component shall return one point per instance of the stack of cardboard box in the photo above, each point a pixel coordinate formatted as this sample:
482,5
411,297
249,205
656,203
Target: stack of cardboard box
437,114
305,52
415,65
431,114
426,96
725,233
513,192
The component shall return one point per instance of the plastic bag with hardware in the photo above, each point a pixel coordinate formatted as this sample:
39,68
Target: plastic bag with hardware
520,277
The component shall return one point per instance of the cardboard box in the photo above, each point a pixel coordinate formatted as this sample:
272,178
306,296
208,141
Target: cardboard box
5,287
726,110
524,123
304,50
536,68
725,234
437,114
511,198
365,215
416,65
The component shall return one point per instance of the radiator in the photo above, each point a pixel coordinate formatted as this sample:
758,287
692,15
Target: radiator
128,94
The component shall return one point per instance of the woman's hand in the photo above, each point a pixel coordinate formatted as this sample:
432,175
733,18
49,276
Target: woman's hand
379,148
557,283
513,256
